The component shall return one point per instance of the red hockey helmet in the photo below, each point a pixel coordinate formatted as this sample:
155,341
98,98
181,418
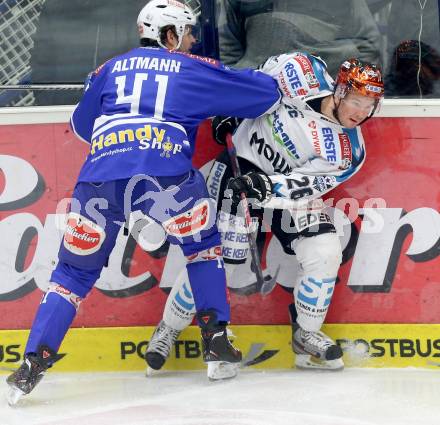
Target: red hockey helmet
362,78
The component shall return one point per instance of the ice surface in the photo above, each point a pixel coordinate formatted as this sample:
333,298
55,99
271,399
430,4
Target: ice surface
351,397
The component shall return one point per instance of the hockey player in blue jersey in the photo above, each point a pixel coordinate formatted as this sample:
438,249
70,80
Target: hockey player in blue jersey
139,114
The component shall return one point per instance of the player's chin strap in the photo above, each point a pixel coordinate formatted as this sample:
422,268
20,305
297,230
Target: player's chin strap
176,48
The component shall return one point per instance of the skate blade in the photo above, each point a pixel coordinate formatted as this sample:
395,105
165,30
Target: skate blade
152,372
14,395
218,371
308,362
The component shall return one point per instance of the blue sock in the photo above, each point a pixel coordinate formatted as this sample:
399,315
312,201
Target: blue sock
208,283
51,323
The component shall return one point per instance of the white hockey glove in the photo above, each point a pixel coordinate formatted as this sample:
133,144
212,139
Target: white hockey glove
253,185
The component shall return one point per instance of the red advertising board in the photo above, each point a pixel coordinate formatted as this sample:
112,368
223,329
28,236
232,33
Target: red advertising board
387,217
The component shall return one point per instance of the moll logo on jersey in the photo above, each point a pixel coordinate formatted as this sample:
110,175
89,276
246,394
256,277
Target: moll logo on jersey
82,236
279,164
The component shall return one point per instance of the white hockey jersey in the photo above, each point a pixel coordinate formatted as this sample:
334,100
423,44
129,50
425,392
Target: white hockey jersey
304,153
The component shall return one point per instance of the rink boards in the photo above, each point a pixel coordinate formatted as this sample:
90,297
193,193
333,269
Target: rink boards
389,276
387,218
263,347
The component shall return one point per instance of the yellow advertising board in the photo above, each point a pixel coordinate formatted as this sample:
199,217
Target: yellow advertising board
263,347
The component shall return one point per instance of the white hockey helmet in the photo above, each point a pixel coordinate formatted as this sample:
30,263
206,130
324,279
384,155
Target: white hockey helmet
157,14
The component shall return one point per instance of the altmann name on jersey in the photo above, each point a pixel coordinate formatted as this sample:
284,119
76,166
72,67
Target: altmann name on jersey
148,137
141,62
282,137
278,162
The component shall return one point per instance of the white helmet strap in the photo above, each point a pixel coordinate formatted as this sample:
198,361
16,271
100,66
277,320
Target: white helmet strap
176,33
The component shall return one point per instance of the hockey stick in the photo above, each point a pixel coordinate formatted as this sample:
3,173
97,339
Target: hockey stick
266,284
42,87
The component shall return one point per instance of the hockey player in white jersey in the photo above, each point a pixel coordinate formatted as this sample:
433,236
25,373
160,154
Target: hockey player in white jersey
289,159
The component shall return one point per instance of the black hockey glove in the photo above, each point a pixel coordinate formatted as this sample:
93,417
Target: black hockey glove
221,126
253,185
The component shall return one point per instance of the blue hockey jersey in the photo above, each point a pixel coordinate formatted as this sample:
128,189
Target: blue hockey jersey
140,110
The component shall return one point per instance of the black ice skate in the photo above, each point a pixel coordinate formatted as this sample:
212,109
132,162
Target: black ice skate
222,357
160,345
30,373
314,350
